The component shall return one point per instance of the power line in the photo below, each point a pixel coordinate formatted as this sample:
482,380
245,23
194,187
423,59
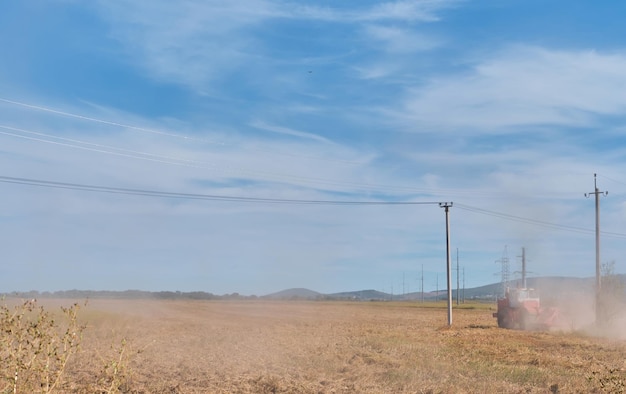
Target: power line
90,146
102,121
158,132
122,152
139,155
110,150
534,221
194,196
611,179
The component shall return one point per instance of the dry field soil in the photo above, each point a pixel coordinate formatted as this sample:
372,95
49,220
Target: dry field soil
331,347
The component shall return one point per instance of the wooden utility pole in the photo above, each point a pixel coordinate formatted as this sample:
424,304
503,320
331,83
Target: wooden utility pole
597,193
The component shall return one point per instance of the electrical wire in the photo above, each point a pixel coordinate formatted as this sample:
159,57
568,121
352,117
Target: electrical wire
102,121
122,152
90,146
164,194
139,155
161,133
611,179
196,196
534,221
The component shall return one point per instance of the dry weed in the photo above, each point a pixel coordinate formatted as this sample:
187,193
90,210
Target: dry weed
34,349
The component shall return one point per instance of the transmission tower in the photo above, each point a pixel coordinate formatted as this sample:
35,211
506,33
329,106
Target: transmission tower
504,273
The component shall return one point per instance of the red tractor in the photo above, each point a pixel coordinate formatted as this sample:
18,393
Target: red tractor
521,309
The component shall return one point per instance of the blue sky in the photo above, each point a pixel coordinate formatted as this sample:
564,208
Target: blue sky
501,107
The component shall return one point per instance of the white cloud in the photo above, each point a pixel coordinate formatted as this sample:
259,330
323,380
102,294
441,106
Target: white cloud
340,147
376,70
191,42
416,10
523,86
195,43
411,11
399,40
288,131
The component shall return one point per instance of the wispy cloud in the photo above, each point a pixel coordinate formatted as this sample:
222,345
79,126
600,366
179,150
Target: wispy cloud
523,86
215,97
196,43
393,50
400,40
288,131
412,11
192,42
417,10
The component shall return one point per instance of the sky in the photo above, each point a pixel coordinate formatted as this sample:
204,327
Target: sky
252,146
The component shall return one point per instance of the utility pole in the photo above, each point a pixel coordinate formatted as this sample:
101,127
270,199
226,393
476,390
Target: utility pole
403,291
464,285
446,206
422,286
597,193
523,267
437,291
457,276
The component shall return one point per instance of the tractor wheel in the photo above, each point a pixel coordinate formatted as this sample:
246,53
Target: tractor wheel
504,318
500,319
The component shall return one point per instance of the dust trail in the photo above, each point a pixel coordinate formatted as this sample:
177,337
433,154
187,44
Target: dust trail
577,308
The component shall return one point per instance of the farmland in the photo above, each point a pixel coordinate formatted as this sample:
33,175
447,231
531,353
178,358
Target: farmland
151,346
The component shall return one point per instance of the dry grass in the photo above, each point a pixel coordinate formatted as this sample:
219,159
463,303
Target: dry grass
328,347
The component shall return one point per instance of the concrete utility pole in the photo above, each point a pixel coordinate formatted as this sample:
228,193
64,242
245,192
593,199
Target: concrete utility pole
523,267
524,272
422,286
403,290
597,193
458,274
464,285
446,206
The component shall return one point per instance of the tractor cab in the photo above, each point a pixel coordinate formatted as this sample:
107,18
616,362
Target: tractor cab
522,298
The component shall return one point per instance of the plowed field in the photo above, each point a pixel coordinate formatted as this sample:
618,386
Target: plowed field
334,347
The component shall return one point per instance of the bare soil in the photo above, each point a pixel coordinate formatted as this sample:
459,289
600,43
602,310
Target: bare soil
332,347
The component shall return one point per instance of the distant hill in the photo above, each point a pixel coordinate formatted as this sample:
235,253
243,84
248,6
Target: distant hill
358,295
548,287
295,293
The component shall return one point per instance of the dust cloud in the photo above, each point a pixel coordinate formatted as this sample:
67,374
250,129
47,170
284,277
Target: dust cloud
577,310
